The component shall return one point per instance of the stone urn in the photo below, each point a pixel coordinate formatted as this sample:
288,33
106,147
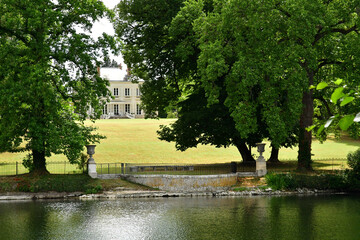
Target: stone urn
91,162
260,162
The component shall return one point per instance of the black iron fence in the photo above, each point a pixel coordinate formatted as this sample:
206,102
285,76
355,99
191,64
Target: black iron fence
171,168
326,165
16,168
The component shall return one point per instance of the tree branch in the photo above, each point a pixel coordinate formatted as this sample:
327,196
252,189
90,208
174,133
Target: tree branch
345,31
322,99
15,34
277,7
324,62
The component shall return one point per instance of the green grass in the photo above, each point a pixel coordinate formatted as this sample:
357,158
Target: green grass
135,141
62,183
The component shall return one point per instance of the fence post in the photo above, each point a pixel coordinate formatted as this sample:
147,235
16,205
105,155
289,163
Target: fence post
108,168
17,170
64,167
122,168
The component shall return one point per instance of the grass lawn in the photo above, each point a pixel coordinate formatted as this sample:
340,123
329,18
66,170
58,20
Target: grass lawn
135,141
62,183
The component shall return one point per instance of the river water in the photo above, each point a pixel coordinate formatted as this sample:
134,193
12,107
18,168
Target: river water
280,217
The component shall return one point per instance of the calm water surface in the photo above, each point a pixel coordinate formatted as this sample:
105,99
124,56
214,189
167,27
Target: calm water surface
315,217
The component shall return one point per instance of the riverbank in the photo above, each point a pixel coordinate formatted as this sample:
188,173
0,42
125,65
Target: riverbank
120,193
85,188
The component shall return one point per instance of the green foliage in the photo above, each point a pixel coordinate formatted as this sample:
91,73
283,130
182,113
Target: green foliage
321,85
179,85
294,181
94,190
279,181
28,162
337,94
353,159
240,189
258,60
346,109
48,76
81,162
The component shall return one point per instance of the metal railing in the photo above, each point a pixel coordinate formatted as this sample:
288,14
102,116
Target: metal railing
16,168
176,169
64,167
110,168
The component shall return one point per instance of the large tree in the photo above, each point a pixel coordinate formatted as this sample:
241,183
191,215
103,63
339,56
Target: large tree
285,46
164,51
48,76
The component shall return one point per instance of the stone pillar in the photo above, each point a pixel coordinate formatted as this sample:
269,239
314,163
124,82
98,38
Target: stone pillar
260,162
91,162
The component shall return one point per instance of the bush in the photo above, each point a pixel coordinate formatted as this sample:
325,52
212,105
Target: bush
280,181
353,174
353,159
28,162
81,162
94,190
294,181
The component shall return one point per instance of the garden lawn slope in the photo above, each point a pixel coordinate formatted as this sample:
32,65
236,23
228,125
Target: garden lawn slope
135,141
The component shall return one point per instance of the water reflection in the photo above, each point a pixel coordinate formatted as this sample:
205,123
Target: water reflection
321,217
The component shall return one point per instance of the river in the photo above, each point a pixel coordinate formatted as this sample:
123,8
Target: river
277,217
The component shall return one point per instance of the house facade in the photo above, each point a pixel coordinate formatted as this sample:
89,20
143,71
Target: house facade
126,95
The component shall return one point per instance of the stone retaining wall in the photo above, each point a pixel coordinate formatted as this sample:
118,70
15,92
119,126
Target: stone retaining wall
185,182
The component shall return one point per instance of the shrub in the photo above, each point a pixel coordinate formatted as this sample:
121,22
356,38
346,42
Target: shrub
353,174
294,181
280,181
353,159
28,162
81,162
94,190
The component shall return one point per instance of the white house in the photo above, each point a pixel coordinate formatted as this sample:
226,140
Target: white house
127,95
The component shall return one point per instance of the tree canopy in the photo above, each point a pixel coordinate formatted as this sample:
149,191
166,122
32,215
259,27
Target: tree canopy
198,122
257,60
48,76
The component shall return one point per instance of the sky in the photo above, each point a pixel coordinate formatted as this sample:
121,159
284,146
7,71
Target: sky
104,25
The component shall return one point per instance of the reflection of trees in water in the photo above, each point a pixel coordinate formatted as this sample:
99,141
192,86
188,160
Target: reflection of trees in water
306,224
221,218
39,219
246,218
291,217
184,218
23,220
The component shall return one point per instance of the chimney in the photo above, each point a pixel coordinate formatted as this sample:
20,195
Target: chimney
98,70
128,71
120,66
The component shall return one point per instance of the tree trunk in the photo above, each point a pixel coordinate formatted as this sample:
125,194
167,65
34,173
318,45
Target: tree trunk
39,162
244,151
274,157
305,137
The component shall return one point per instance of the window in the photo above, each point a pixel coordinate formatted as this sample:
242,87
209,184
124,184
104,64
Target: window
127,108
105,109
116,92
116,109
127,91
138,109
138,93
